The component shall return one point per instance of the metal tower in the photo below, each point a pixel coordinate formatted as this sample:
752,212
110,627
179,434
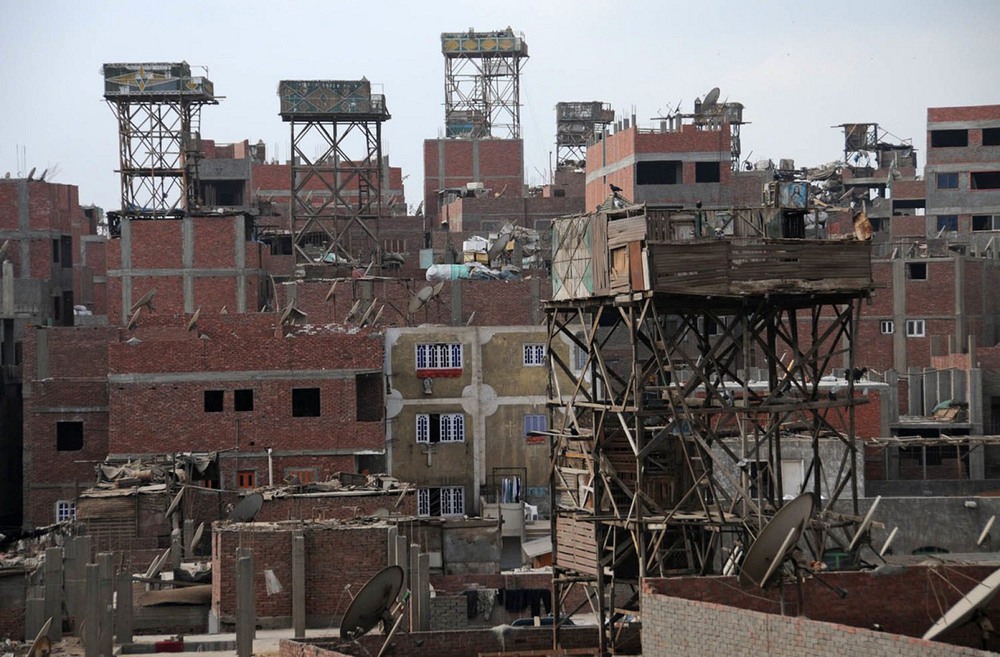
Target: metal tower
699,370
576,125
482,88
333,193
158,107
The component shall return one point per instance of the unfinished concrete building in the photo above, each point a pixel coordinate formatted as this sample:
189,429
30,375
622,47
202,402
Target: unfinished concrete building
672,318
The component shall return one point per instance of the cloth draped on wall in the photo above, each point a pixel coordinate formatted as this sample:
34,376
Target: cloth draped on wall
516,600
479,599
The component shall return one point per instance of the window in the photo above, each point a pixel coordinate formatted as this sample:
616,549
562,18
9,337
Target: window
246,479
55,250
916,271
368,397
915,328
305,402
947,181
984,180
710,325
69,436
394,245
949,138
706,172
443,358
887,327
444,501
66,251
659,172
534,355
243,400
579,357
65,510
214,401
991,136
534,423
440,428
947,223
985,222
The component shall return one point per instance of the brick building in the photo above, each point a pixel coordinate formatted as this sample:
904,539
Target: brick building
494,166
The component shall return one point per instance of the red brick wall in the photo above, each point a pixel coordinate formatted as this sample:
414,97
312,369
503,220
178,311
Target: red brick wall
501,163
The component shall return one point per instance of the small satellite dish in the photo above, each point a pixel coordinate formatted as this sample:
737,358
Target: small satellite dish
41,646
197,536
174,503
964,609
146,300
372,603
332,290
248,508
368,311
711,98
438,287
986,530
499,244
193,322
775,541
888,541
864,524
421,298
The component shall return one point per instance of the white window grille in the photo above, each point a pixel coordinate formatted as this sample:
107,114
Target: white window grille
534,354
65,510
887,327
443,427
440,356
915,328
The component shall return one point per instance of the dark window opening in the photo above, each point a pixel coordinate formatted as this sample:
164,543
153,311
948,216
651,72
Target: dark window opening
281,245
243,400
66,251
55,250
949,138
223,192
985,222
947,222
984,180
305,402
947,181
991,136
662,172
906,204
879,224
371,463
57,309
368,396
707,172
916,271
69,436
214,401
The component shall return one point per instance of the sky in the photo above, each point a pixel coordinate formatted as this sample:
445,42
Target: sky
798,68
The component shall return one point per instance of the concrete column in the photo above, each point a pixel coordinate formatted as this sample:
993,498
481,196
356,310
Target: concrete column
391,540
240,262
53,583
422,592
456,303
899,314
76,558
176,548
187,260
8,288
246,611
299,585
402,558
415,583
34,611
92,622
124,613
106,601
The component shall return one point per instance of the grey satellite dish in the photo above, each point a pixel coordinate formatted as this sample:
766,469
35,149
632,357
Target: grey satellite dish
775,541
41,646
711,98
986,530
888,541
248,508
421,298
372,603
438,287
964,609
175,502
864,524
499,244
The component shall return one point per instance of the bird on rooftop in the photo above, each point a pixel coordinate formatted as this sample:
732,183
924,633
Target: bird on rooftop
614,188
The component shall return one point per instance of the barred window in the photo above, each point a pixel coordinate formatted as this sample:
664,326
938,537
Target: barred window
443,501
534,354
441,356
440,427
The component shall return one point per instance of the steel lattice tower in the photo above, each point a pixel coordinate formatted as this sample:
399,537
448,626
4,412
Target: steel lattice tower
331,191
482,86
158,107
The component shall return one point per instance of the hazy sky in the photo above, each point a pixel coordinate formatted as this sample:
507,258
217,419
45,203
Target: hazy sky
798,67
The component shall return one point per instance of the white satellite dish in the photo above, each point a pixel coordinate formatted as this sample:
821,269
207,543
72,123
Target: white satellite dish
964,609
775,541
421,298
711,98
864,524
888,541
986,530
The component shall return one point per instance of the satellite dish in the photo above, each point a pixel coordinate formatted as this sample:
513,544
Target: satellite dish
499,244
353,310
711,98
372,603
197,536
368,311
986,530
193,322
248,508
332,290
421,298
888,541
174,503
438,287
41,646
146,300
775,541
964,609
864,524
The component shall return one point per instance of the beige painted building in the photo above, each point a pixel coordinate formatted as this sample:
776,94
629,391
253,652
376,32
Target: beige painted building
461,404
